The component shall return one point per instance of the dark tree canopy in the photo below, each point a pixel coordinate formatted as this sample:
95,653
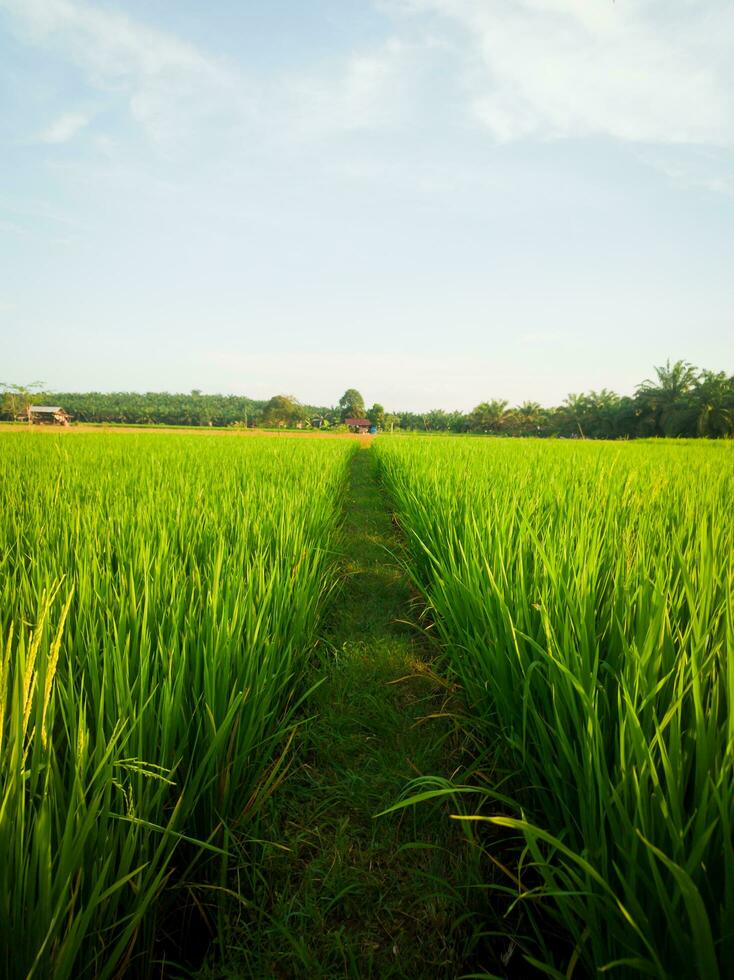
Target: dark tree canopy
16,399
351,405
376,415
283,410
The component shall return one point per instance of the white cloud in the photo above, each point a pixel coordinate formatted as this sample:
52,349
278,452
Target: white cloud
370,89
652,72
168,83
655,71
174,90
63,128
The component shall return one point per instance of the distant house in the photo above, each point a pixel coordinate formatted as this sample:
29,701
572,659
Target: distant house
47,415
358,425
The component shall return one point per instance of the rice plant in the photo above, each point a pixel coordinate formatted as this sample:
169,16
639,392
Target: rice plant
583,594
159,597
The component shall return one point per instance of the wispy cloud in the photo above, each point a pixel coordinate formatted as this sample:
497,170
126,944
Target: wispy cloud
65,127
169,84
658,71
370,89
174,89
708,171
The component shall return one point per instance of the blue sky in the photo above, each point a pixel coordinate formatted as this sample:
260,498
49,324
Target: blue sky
435,201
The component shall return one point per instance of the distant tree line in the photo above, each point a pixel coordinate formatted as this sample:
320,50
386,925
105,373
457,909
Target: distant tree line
679,401
154,407
148,408
192,409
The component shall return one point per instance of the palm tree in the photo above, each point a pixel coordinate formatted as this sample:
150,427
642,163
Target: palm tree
528,416
665,400
715,405
438,420
490,416
602,410
575,409
672,381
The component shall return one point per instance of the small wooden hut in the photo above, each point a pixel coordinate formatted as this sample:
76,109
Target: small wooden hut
358,425
47,415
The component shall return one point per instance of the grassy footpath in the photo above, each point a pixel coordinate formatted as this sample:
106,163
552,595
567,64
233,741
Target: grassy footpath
351,895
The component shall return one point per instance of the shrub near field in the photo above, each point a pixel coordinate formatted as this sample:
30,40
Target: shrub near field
158,599
584,597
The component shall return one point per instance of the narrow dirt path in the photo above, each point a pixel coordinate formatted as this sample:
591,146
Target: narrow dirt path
353,895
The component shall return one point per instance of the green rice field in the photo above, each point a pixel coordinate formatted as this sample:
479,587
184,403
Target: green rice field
583,596
159,596
164,599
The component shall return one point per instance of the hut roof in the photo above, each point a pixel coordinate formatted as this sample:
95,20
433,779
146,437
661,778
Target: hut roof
357,422
46,409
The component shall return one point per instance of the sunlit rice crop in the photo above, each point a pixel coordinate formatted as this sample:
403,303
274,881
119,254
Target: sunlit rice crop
583,594
159,595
